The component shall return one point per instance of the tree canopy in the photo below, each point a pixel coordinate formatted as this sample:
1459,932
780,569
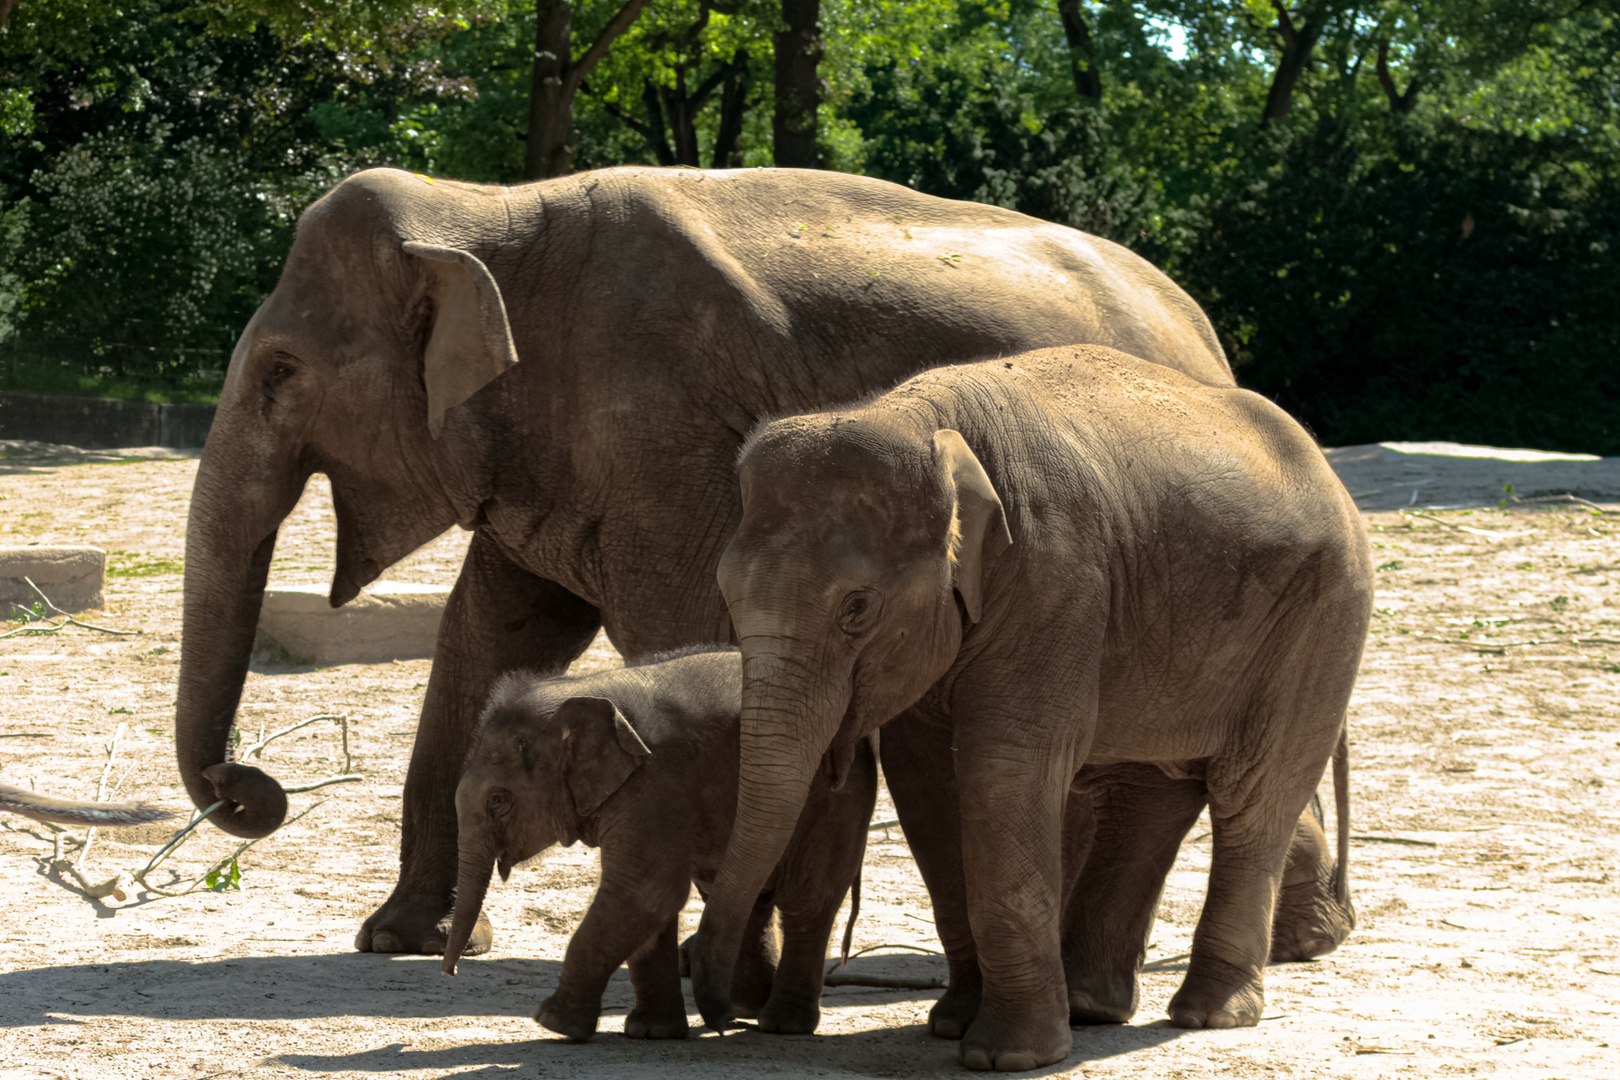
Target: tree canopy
1401,215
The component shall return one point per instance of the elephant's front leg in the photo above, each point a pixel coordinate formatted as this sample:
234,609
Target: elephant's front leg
499,617
634,916
1012,795
918,768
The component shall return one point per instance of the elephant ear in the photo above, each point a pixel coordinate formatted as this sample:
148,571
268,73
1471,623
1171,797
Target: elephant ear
600,751
471,340
979,516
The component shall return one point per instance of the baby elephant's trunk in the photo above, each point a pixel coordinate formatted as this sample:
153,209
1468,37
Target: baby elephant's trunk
471,884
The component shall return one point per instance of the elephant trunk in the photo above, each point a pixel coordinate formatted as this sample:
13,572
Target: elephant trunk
788,723
472,884
230,538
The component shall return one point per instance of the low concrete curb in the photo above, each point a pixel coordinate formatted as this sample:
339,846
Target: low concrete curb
388,622
72,577
102,423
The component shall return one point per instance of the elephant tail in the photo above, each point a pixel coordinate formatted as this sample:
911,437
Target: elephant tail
18,800
854,910
1341,809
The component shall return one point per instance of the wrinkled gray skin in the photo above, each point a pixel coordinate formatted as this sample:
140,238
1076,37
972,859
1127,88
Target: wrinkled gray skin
568,368
16,800
642,762
1153,577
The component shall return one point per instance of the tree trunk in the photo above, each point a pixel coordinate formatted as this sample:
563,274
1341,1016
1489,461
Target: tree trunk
1082,53
1298,42
1399,104
550,147
556,78
733,96
799,50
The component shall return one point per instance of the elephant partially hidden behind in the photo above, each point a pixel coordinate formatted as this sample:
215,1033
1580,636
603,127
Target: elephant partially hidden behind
16,800
568,369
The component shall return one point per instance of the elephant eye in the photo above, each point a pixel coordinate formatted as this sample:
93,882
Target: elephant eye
499,803
858,611
280,370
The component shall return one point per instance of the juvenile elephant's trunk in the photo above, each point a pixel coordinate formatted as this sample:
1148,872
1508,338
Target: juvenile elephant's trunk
788,722
472,885
230,538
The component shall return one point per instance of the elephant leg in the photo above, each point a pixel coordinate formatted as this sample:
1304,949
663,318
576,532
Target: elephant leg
812,883
1140,817
917,765
1012,795
1310,921
660,1011
1254,808
636,905
499,617
755,973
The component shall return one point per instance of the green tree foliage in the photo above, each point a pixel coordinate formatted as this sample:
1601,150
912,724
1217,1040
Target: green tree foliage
1400,214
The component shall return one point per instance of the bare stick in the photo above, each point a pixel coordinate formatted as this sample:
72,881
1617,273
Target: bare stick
257,749
101,793
1565,498
168,849
1395,840
1165,961
844,978
316,785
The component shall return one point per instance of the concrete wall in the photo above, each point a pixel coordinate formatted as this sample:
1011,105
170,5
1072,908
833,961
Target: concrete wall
102,423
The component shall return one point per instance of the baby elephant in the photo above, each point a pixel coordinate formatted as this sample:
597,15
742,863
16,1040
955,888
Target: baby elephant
642,762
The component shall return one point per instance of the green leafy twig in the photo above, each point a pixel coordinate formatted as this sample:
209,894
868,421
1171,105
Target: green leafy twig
213,872
57,628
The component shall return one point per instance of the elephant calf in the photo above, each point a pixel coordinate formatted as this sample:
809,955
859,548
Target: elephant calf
642,762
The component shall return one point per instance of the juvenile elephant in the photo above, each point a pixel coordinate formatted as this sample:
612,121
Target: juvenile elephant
567,369
1067,559
642,762
29,804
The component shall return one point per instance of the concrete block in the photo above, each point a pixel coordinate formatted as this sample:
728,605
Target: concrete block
71,576
386,622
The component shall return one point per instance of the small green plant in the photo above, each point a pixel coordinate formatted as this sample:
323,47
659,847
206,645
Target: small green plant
1393,564
225,878
1560,603
120,709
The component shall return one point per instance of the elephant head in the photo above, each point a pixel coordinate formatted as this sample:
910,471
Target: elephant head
864,544
358,365
537,774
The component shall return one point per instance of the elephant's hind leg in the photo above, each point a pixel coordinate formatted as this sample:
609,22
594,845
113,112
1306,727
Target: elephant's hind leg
1141,816
1310,920
499,617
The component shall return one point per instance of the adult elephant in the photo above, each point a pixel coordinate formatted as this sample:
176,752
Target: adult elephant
567,369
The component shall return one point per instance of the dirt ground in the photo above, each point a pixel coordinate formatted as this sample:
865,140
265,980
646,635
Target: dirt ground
1486,746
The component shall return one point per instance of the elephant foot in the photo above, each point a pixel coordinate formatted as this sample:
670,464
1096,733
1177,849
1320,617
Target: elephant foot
954,1013
404,925
572,1022
1008,1047
651,1024
1098,1006
790,1017
1204,1003
750,990
1308,924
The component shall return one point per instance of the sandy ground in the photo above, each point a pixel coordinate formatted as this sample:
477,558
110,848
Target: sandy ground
1486,743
